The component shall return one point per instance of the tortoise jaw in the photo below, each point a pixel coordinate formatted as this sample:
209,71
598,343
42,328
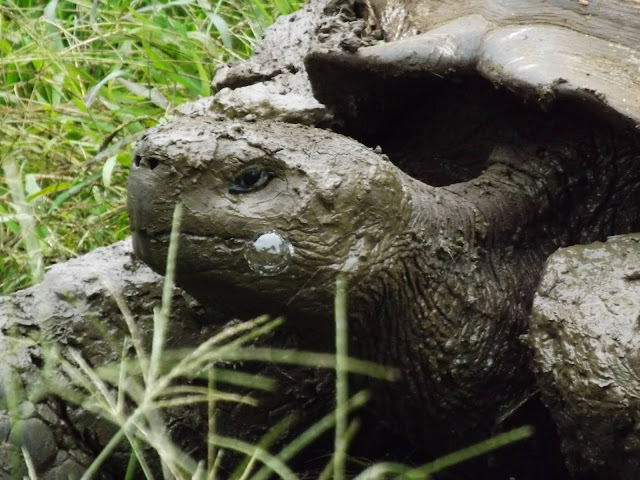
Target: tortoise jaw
224,273
152,248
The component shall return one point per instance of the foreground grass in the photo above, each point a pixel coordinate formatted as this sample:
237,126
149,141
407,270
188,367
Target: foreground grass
79,82
134,394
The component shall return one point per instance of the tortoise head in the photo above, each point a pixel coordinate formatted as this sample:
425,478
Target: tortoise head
270,210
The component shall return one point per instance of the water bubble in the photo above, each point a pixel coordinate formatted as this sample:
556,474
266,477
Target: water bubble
269,254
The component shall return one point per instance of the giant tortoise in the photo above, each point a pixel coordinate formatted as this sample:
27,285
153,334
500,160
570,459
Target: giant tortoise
479,139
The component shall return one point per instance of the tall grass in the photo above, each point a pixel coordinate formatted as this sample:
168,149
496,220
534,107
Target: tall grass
79,82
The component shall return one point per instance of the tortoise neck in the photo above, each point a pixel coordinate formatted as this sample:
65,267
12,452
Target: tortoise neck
451,310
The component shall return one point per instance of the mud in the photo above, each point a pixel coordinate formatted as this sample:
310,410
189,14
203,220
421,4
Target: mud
273,83
435,269
483,183
469,164
585,335
75,307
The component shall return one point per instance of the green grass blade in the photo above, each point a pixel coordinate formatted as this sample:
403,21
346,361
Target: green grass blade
342,386
468,453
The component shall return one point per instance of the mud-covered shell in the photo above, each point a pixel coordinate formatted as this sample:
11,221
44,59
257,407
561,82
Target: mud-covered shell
540,49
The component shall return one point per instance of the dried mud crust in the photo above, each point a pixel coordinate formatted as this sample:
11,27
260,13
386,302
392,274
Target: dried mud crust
51,443
273,83
74,306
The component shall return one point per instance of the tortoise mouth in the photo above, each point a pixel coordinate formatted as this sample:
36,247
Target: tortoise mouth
219,272
152,248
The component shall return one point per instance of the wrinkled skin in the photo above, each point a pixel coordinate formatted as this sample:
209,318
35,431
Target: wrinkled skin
307,183
441,278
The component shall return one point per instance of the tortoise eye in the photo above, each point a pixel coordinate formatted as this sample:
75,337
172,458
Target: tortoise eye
250,180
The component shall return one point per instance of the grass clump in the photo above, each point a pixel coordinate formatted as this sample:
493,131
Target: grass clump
134,393
79,82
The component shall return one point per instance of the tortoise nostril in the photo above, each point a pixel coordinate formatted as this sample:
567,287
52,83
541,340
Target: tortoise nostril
144,161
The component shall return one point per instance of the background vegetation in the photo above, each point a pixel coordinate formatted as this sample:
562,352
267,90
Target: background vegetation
79,81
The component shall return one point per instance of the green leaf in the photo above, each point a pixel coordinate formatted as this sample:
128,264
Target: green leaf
63,197
10,224
49,12
93,93
142,91
54,187
222,28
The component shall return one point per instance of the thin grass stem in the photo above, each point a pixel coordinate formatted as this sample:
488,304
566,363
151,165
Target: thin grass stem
25,218
342,378
31,469
161,319
312,433
354,426
103,455
211,427
470,452
273,463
